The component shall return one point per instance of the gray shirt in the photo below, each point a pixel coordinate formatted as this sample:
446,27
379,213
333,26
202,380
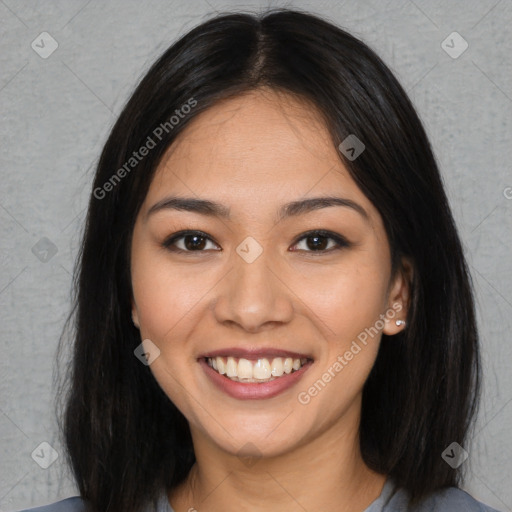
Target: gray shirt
391,499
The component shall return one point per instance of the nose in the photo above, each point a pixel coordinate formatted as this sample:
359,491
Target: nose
253,296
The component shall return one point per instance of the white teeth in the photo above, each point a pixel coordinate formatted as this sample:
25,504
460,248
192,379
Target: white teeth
244,370
288,365
261,370
277,367
231,368
221,367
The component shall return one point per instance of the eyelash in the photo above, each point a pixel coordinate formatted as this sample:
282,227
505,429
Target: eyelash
339,240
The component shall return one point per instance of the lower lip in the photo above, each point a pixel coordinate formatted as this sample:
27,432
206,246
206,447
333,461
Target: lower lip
254,390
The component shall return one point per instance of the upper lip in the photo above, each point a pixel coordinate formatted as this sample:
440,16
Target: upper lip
256,353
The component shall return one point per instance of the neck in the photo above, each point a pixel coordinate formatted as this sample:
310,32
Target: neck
326,473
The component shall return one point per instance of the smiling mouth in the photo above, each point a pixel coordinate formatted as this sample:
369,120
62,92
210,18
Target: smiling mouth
260,370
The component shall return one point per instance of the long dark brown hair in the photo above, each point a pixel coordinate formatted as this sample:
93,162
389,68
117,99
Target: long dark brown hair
125,440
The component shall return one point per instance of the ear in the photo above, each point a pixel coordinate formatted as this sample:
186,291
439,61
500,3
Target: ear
135,315
399,298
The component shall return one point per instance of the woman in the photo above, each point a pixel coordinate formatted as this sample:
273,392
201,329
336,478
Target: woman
273,308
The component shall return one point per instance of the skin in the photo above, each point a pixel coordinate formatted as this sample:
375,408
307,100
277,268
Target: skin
253,153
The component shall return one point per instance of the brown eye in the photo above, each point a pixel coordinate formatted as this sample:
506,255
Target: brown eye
188,241
193,242
318,241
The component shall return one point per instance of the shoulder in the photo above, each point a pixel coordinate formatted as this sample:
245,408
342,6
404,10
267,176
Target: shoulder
74,504
454,499
451,499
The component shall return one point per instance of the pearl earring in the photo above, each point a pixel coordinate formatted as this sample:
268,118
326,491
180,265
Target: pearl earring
400,322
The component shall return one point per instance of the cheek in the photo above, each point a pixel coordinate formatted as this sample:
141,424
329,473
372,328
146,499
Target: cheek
347,299
165,298
164,294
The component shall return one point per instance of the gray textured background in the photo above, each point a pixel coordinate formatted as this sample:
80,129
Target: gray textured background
56,113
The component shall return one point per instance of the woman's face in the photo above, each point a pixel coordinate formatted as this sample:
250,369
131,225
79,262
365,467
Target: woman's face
253,290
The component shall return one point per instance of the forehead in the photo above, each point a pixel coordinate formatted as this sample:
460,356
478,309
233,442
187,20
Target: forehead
256,148
261,125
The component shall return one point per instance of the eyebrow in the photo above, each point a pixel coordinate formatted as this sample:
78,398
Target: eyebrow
292,209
